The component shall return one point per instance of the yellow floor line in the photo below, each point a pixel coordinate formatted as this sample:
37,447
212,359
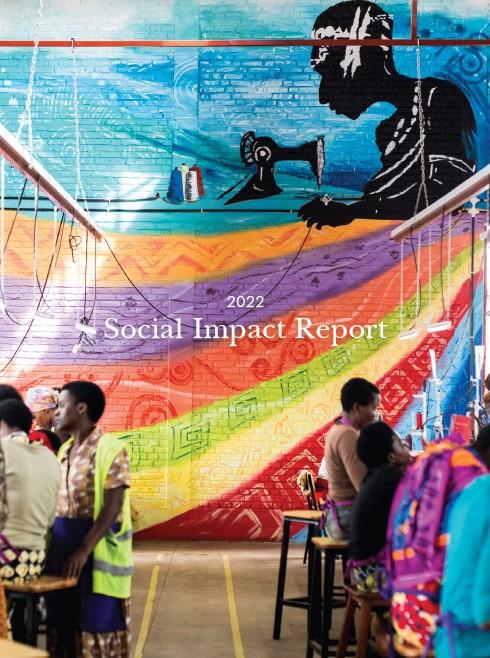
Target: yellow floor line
235,627
150,600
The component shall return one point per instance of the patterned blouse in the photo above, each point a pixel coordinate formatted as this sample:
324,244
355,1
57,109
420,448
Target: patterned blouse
76,496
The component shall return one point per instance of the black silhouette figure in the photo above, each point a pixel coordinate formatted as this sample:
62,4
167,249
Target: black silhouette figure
430,137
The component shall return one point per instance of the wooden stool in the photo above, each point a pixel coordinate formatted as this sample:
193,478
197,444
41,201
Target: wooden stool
407,652
29,592
366,603
312,519
10,649
320,617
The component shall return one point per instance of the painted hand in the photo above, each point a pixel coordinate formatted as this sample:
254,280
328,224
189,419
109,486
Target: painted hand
75,563
319,213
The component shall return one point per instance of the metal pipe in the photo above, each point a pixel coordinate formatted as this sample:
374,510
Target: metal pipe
471,378
18,156
413,20
240,43
473,186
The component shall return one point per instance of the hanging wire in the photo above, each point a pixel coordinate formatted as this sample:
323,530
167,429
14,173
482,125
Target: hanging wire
401,285
35,278
449,256
57,244
26,116
420,107
31,322
2,256
416,260
85,277
441,274
430,273
79,189
2,234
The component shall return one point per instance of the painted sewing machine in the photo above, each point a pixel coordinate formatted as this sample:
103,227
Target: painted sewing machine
264,152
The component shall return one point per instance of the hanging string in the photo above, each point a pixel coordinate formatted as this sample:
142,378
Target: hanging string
31,322
2,234
419,280
420,108
430,273
26,116
35,278
441,276
401,285
449,257
85,273
416,260
57,244
79,189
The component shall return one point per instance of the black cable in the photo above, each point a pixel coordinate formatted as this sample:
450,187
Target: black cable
226,324
441,279
74,241
35,249
140,292
97,200
288,269
24,337
95,281
15,217
418,294
85,277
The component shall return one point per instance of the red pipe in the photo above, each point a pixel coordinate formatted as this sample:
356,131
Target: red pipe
413,20
229,43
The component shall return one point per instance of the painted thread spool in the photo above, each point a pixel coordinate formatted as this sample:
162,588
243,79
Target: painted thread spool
183,169
200,181
176,187
191,191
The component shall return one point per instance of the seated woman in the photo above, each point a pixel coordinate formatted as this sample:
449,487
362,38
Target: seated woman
32,480
360,400
386,457
91,538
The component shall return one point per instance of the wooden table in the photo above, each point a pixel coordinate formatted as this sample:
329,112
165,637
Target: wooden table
10,649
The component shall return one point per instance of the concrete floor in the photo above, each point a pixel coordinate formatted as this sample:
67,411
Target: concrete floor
190,615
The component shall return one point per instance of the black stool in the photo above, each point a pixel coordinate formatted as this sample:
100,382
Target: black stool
312,519
321,606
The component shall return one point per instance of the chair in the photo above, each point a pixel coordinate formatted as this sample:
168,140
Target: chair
29,593
3,614
306,483
323,603
366,604
310,518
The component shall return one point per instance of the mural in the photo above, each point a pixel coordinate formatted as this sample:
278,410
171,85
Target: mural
224,330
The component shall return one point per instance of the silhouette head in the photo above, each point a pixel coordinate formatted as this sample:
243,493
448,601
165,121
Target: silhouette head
349,73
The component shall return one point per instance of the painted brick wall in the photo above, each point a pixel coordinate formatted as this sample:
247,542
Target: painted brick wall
218,433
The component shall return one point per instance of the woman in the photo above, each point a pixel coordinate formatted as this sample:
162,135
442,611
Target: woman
92,534
360,400
386,458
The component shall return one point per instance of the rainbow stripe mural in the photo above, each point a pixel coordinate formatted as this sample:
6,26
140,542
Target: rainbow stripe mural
219,426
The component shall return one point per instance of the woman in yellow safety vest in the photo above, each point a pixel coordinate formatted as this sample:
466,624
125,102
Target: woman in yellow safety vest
91,538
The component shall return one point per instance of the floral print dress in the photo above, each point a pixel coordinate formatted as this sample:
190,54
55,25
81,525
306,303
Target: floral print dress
76,501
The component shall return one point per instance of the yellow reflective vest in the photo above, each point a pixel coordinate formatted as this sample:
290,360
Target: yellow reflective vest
113,555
